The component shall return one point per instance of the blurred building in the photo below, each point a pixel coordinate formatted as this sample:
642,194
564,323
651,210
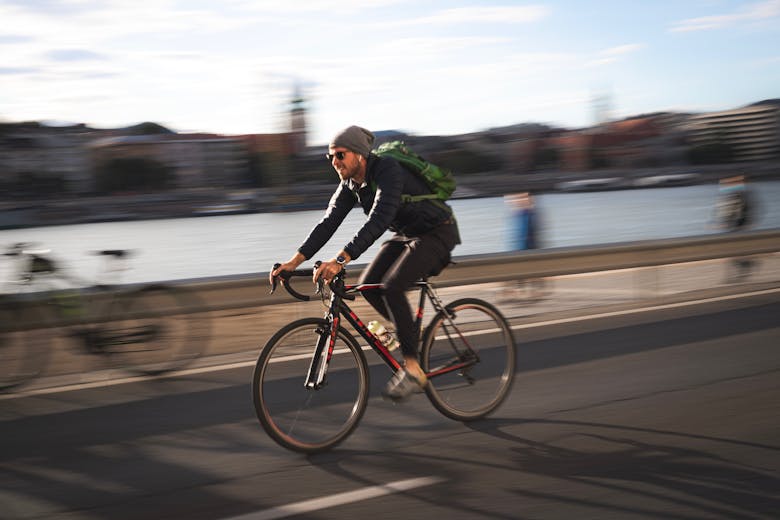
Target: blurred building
45,155
752,132
282,145
630,143
575,150
198,160
37,160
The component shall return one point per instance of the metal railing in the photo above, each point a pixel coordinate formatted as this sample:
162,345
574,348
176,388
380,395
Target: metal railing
252,289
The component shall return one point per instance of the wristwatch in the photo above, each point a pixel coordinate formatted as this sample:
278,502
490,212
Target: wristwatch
341,259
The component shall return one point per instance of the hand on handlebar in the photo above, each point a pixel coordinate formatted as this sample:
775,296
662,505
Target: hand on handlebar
318,274
326,271
277,271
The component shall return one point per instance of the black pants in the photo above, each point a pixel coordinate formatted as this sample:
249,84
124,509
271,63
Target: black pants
400,262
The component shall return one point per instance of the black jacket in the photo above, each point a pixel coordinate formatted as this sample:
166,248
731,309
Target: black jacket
384,208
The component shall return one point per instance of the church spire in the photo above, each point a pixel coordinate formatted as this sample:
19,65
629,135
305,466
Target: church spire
298,119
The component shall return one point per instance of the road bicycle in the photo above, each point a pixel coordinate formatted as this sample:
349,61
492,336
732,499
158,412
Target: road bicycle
311,383
144,329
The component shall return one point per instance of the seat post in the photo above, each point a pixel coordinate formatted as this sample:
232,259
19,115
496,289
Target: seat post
424,287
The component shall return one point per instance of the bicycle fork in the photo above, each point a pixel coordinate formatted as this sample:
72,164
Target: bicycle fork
318,368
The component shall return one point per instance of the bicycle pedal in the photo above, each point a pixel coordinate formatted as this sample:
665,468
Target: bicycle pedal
470,380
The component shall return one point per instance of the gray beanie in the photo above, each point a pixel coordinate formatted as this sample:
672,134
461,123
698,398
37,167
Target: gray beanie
355,138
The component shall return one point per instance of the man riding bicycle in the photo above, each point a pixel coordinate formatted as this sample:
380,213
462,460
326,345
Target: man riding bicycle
425,234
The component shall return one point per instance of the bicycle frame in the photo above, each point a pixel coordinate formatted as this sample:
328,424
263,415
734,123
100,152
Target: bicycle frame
71,299
315,377
466,349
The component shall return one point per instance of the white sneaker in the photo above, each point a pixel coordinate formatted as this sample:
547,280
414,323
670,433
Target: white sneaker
402,385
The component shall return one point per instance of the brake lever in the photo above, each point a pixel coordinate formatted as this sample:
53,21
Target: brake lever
320,283
274,279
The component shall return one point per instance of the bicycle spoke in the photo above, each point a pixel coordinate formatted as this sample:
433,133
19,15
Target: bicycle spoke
152,331
307,419
470,356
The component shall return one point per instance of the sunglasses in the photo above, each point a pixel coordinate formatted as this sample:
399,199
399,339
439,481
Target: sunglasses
338,155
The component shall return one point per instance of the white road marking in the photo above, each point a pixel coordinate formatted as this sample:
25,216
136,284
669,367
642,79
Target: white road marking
315,504
243,364
645,309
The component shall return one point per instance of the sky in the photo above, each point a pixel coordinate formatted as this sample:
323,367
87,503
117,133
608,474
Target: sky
419,66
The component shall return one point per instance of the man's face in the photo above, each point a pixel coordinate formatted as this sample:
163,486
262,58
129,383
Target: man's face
344,161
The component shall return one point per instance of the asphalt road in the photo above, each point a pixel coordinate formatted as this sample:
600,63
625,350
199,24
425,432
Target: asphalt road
669,413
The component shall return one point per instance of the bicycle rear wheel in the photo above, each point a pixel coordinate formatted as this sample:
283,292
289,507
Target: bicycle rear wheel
25,341
475,335
153,330
304,419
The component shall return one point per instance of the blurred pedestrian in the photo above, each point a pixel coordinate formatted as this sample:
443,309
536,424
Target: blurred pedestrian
733,209
734,212
523,221
524,236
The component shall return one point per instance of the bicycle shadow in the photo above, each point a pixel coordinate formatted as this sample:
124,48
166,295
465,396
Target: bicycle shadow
589,467
650,465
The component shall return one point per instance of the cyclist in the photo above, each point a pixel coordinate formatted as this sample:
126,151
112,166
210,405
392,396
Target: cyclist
735,211
425,232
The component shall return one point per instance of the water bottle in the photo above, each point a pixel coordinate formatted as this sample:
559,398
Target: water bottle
384,335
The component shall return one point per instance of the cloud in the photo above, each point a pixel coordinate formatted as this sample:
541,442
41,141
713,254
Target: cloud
752,13
12,71
14,38
87,22
74,55
516,14
483,14
276,7
622,49
614,54
50,6
420,47
512,67
99,75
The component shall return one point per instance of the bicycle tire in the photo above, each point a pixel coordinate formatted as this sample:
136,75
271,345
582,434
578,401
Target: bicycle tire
153,330
25,343
476,391
302,419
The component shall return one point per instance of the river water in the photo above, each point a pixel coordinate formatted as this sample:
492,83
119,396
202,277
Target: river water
237,244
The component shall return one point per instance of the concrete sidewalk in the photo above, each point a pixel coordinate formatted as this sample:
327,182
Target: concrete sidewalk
239,334
632,287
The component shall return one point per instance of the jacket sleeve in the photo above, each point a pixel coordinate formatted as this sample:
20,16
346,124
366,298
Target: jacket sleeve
342,201
389,180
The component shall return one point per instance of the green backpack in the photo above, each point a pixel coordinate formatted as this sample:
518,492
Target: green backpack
440,180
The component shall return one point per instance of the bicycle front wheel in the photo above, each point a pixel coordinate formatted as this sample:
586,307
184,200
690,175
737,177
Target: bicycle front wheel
153,330
304,419
469,351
